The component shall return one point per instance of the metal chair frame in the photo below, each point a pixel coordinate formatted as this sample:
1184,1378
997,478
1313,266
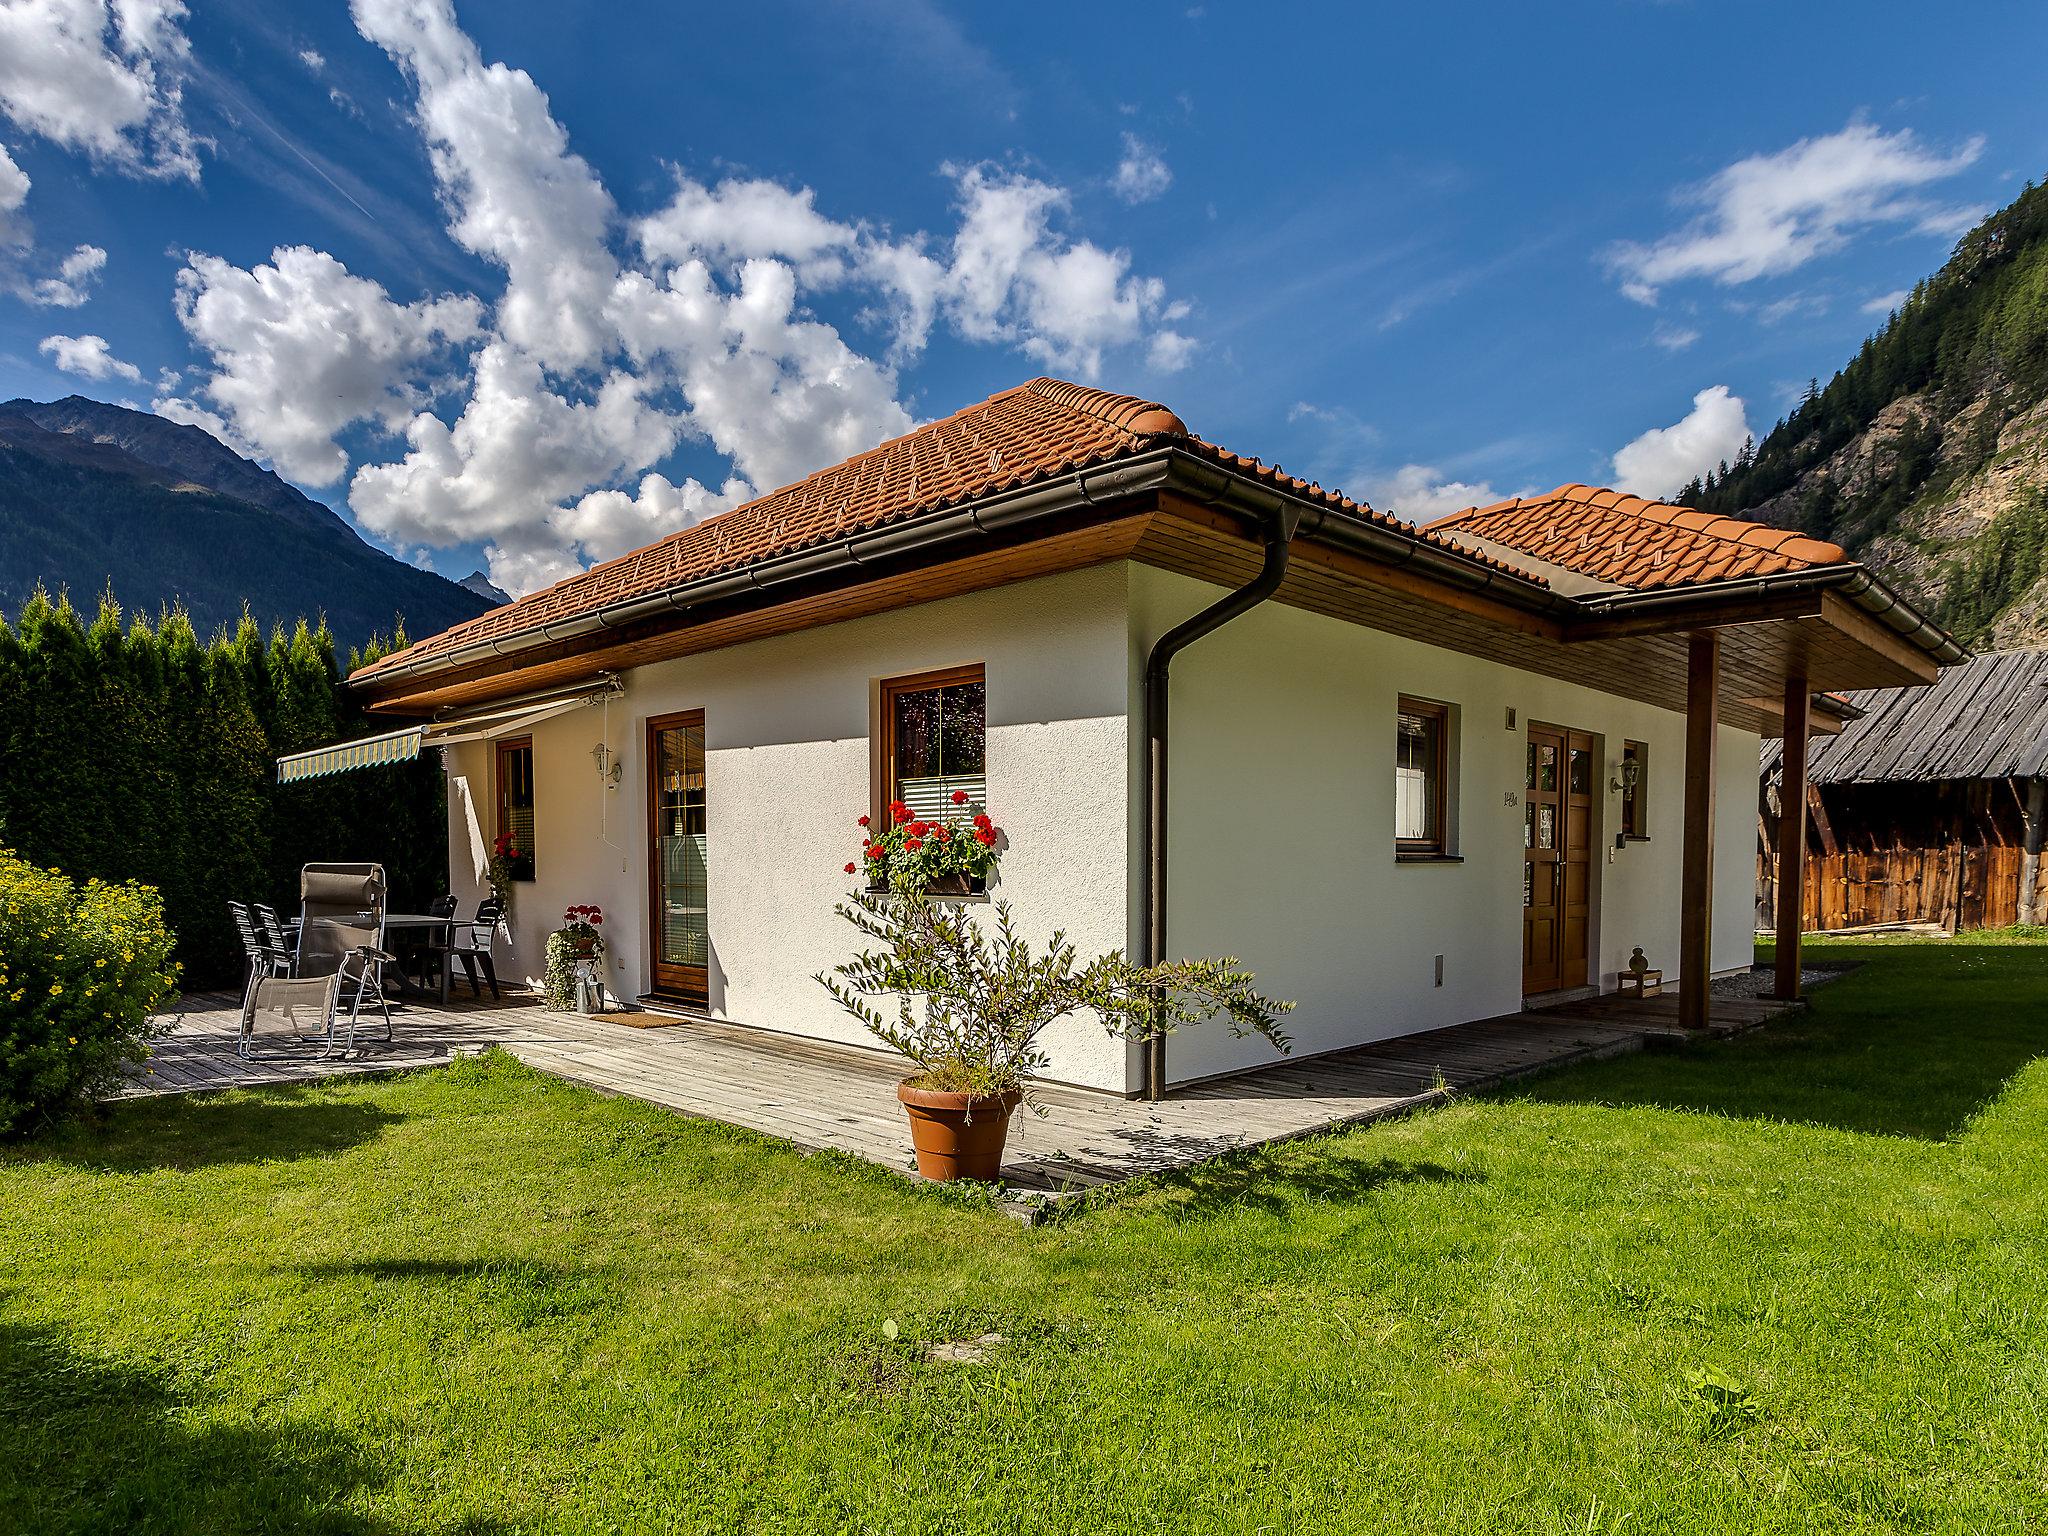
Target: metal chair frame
362,964
253,1000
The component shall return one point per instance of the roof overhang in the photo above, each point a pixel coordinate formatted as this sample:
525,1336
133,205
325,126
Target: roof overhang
1168,507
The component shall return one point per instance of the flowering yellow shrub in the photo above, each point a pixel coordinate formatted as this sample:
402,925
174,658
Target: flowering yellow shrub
83,968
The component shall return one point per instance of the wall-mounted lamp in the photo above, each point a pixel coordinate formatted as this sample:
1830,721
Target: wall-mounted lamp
1627,774
609,768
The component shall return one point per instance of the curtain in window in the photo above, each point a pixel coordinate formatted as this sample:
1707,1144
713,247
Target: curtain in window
1415,771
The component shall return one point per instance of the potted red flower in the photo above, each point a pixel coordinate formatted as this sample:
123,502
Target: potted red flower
943,855
582,923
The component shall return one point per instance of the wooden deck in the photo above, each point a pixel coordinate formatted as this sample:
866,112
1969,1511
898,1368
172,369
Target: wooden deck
825,1096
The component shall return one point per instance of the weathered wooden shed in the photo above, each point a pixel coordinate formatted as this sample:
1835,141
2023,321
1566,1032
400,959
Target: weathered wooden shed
1929,807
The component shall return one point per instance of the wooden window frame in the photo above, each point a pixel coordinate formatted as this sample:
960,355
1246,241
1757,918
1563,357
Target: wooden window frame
1437,848
502,804
883,769
1635,808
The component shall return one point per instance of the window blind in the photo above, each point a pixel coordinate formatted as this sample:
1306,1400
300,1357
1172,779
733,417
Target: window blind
931,799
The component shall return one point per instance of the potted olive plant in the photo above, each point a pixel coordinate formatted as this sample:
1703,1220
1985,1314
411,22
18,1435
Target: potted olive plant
973,998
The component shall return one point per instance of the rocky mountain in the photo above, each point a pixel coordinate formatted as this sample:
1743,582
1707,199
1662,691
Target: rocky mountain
94,496
1927,454
485,588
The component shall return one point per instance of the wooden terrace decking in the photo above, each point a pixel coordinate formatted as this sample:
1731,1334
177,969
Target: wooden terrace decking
825,1096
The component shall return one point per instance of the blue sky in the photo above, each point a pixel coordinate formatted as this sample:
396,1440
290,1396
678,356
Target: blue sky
525,285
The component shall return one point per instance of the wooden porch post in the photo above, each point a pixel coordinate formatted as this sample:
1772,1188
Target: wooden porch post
2035,835
1792,835
1696,877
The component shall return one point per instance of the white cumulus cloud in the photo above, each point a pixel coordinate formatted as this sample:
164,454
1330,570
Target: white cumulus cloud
101,78
533,420
1142,175
14,185
76,277
1770,214
1419,494
1664,459
87,356
302,348
1885,303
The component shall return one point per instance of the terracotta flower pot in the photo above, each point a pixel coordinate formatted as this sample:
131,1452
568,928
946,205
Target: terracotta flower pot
958,1135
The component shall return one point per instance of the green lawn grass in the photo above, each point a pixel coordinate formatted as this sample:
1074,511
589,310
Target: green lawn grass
1797,1281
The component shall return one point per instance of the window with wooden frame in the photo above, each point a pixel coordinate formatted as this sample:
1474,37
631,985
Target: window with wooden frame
515,802
1421,779
1635,790
933,741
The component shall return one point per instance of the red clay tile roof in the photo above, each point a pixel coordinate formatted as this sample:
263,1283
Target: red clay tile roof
1615,537
1033,432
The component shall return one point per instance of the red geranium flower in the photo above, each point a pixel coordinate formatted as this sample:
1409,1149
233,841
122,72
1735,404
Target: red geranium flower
862,822
983,836
959,797
849,869
899,811
913,843
982,821
942,834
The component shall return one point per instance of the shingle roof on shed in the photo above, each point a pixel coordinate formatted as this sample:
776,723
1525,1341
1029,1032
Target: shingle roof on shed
1985,719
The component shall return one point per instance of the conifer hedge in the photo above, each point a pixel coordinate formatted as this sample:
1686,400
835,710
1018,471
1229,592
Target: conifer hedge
138,752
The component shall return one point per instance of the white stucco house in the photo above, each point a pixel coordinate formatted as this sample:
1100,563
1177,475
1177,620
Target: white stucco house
1410,777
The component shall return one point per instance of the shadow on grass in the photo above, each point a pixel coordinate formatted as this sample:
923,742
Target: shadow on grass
101,1446
1274,1177
523,1292
1915,1042
195,1131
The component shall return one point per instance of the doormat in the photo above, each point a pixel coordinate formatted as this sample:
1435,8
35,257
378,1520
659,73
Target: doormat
634,1019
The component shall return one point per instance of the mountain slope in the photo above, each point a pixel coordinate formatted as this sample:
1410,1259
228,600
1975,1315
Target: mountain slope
1927,454
94,495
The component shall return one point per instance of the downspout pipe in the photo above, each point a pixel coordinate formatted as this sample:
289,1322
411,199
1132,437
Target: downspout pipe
1279,537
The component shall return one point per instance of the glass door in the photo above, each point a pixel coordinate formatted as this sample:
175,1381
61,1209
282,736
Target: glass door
678,859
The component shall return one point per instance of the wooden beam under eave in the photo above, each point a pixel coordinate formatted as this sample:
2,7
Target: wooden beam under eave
1893,649
1696,872
1704,612
1792,837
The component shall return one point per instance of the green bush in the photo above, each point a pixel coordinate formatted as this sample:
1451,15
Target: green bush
82,970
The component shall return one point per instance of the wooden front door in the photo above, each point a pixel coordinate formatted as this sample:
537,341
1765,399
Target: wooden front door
678,858
1557,862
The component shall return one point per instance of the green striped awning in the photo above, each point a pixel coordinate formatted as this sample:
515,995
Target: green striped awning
370,752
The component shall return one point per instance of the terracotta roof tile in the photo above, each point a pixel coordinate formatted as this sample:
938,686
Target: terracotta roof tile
1033,432
1615,537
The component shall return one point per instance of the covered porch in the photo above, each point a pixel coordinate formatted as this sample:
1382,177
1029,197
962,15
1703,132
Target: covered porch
842,1099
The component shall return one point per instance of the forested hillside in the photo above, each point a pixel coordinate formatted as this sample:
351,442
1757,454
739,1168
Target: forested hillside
95,496
1927,455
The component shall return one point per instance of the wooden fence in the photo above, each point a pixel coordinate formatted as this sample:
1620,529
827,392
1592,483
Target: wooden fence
1959,887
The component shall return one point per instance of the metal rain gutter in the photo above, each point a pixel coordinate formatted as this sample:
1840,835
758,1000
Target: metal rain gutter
987,515
1854,582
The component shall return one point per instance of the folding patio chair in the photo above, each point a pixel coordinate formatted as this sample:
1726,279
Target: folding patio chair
266,956
300,1007
271,929
341,933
